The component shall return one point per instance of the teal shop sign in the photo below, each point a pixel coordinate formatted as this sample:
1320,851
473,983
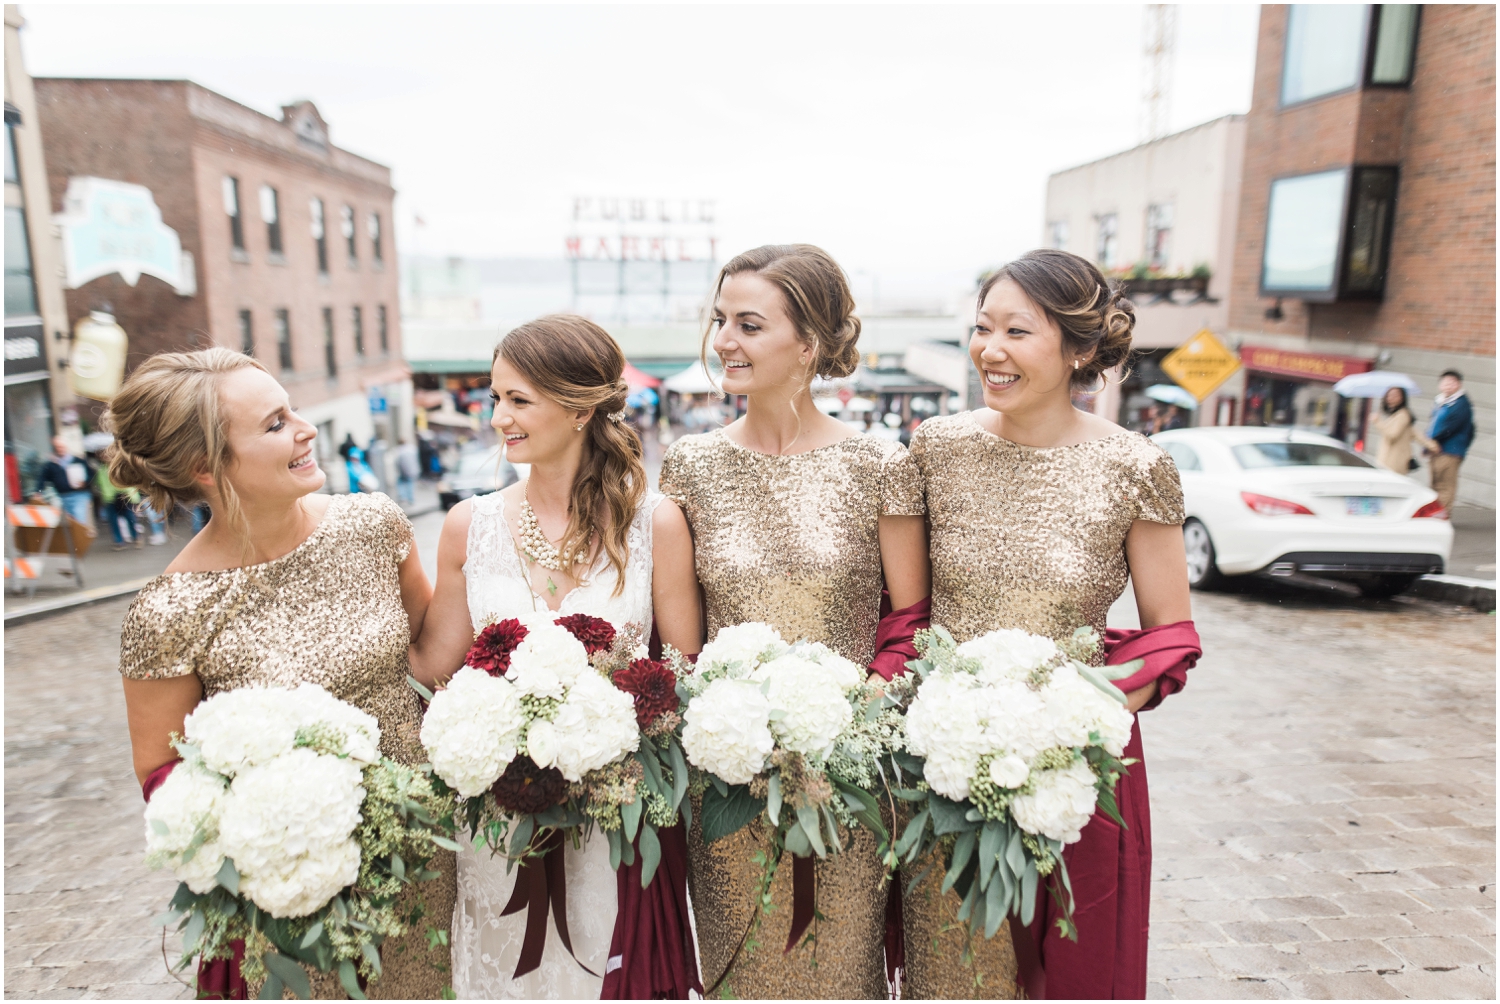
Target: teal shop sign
112,226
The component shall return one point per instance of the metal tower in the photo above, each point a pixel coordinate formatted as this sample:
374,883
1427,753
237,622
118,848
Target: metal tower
1156,93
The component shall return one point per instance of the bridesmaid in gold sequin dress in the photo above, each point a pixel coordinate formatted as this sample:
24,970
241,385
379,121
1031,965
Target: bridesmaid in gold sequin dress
795,521
283,586
1039,513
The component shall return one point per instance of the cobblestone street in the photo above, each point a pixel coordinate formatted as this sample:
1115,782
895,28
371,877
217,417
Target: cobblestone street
1323,803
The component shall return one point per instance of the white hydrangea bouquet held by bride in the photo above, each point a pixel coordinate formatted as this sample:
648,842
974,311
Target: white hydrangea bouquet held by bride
1012,744
289,831
793,733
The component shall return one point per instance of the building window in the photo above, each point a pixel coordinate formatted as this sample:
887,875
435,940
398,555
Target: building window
358,317
373,222
1302,233
1106,250
247,334
270,211
1325,50
330,358
1159,235
284,340
12,168
385,332
232,209
319,233
20,291
1368,241
1395,42
1057,234
347,228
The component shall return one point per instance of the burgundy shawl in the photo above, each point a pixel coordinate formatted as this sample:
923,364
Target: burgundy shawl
1110,868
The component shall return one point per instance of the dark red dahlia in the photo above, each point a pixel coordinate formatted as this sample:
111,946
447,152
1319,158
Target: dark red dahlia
527,788
654,687
491,650
597,635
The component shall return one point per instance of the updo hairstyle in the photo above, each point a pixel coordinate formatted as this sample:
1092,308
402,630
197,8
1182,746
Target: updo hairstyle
1091,310
817,297
573,361
169,428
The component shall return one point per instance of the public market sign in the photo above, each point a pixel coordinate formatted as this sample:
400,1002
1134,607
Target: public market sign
112,226
1201,364
1304,365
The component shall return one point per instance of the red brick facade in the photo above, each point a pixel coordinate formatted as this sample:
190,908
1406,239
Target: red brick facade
1440,288
180,141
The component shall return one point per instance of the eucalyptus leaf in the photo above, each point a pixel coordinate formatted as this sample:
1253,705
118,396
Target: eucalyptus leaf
963,849
947,817
290,973
833,829
1015,852
398,867
653,771
521,835
613,836
159,827
312,935
193,932
719,785
229,877
1028,894
995,902
650,848
989,849
444,842
807,815
627,852
415,684
679,774
909,794
773,799
912,835
166,919
630,812
349,977
372,956
966,910
1093,675
271,989
796,841
909,764
727,813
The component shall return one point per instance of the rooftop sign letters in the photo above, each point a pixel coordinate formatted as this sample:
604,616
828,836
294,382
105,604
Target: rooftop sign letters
1200,364
640,229
112,226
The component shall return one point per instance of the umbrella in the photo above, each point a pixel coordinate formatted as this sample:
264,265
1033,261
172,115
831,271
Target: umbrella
1168,393
1374,384
637,380
693,380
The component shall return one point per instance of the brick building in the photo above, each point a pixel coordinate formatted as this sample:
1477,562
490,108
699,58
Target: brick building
286,240
1367,214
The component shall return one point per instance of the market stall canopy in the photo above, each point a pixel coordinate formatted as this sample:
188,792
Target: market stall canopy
1374,384
637,380
1168,393
693,380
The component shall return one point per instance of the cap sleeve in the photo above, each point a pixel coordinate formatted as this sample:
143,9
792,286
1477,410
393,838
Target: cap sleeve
901,485
1158,494
671,481
170,627
377,515
399,530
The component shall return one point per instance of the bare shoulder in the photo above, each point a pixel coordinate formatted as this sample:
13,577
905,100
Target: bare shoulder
668,522
1096,427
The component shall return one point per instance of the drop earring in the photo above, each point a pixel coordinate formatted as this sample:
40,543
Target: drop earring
1075,364
578,427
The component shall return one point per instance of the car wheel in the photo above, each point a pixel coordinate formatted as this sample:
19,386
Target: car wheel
1383,587
1203,571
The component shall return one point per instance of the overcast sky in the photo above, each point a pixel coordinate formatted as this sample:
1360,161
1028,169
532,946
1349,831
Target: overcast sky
911,142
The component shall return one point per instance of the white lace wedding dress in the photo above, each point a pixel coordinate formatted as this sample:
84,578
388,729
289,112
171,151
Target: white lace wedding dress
486,946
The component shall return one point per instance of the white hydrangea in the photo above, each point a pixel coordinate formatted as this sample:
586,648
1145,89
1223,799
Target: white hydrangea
190,799
361,732
595,726
471,730
288,826
808,703
1075,708
743,644
847,672
945,724
1008,653
1060,805
236,729
1014,718
547,662
727,731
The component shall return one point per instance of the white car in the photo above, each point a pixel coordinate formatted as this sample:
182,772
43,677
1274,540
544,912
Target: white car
479,472
1284,501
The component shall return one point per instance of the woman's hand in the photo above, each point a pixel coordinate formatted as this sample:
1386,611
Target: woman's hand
1136,699
154,709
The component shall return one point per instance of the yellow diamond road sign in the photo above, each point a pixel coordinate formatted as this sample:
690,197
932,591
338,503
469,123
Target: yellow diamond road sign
1201,364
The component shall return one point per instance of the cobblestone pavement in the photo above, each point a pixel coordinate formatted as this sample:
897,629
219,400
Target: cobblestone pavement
1323,807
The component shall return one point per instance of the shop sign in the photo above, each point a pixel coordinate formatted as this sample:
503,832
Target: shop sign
25,350
111,226
378,404
1201,364
1303,365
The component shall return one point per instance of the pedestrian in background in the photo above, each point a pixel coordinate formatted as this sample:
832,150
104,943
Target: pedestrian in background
1397,427
1449,434
68,476
118,509
408,467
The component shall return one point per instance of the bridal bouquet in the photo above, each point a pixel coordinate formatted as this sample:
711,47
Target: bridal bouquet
793,731
1014,743
555,724
289,830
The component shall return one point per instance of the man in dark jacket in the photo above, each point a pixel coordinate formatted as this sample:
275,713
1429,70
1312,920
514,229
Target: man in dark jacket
69,476
1449,434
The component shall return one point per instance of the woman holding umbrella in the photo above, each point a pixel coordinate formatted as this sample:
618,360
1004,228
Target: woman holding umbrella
1397,427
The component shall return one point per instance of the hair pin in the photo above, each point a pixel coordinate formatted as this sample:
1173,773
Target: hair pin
616,416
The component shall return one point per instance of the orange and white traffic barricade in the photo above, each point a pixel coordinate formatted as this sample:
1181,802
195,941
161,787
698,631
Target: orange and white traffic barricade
33,534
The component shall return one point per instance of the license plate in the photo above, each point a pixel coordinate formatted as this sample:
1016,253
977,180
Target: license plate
1363,505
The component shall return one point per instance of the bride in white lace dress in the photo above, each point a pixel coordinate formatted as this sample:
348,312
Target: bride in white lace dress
558,394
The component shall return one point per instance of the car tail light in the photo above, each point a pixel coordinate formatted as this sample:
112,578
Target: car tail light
1432,510
1267,506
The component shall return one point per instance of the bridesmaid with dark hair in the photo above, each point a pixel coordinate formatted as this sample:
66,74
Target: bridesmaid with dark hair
1039,515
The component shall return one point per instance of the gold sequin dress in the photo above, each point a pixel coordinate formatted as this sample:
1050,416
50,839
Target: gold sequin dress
791,541
330,613
1030,538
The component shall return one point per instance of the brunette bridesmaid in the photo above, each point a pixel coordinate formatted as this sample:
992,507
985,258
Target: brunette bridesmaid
283,586
1039,514
796,522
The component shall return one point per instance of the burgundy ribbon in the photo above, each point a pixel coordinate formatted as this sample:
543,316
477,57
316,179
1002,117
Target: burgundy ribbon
893,636
542,882
804,895
1167,652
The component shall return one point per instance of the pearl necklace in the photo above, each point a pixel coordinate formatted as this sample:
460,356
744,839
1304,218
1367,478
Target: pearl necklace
535,543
